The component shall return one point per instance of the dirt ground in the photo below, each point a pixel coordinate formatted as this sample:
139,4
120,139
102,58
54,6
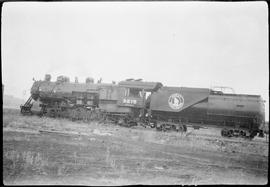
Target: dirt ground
58,151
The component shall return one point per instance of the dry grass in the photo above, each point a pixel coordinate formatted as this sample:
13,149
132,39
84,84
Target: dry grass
16,164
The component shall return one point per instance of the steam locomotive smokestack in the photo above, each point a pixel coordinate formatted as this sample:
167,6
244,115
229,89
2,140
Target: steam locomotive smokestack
48,77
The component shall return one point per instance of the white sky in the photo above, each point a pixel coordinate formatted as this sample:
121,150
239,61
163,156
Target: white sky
192,44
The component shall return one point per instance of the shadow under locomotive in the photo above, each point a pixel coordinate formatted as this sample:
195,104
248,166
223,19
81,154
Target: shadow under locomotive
150,104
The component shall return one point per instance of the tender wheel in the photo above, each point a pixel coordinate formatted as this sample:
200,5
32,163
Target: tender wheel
236,133
261,134
242,133
252,134
152,125
224,132
184,128
230,133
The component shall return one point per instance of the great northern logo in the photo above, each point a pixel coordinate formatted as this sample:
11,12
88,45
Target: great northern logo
176,101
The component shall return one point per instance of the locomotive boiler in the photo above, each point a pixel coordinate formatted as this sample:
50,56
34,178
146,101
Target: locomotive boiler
133,102
122,103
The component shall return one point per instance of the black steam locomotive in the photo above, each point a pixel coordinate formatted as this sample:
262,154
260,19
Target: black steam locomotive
136,102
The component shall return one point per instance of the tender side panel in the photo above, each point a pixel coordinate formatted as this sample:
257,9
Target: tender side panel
243,110
237,105
176,99
195,114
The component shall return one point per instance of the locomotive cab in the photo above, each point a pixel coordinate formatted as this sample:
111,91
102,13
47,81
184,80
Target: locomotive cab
136,92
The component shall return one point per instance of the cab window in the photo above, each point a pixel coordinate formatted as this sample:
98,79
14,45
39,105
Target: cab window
133,92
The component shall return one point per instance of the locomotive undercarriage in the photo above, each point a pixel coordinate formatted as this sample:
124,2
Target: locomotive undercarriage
170,126
61,109
73,113
90,114
239,132
235,128
232,128
167,124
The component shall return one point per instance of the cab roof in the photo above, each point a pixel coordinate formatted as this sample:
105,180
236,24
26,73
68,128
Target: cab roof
147,86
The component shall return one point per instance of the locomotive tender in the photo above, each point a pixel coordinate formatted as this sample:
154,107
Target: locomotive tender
133,102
